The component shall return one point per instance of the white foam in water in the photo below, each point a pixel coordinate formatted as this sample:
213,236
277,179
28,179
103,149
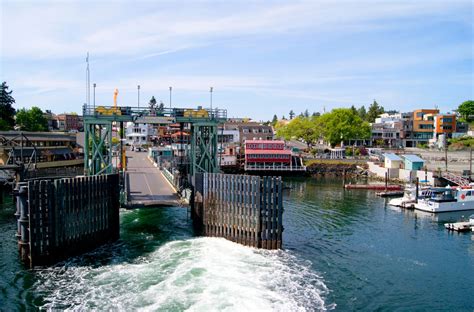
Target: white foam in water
202,274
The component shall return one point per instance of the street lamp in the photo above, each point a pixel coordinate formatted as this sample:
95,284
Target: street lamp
211,97
171,89
138,88
95,85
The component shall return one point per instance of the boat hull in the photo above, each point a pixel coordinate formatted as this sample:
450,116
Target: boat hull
431,206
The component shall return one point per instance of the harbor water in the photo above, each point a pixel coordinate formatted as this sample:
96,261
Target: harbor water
344,251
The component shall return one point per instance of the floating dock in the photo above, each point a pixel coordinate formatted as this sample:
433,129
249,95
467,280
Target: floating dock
465,226
380,187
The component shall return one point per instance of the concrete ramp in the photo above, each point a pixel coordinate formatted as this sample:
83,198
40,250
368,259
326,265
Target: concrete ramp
147,185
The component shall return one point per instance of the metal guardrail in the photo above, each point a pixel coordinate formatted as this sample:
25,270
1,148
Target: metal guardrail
177,113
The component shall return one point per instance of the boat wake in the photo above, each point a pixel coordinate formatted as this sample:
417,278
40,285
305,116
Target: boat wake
200,274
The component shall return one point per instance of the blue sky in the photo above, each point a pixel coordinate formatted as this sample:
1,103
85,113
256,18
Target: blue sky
261,57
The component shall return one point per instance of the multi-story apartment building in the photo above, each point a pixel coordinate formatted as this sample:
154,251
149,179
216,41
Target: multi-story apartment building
389,128
67,122
422,126
138,134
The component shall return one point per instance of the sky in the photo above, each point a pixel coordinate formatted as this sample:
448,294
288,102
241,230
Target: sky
261,57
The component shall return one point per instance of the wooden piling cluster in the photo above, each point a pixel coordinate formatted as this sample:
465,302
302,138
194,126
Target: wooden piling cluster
64,217
244,209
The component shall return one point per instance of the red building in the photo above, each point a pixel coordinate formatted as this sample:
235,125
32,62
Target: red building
269,155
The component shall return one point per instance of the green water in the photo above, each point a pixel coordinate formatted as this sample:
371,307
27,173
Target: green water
344,250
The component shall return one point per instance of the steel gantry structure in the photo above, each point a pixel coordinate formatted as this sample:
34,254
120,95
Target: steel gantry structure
99,122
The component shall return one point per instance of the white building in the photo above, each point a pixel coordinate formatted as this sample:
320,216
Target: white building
138,134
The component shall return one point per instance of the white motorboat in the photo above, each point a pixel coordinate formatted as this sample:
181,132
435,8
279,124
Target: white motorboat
447,199
409,197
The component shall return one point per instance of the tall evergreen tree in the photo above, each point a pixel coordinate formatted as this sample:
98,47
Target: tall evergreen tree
292,114
274,120
374,111
152,102
306,113
354,110
161,107
362,112
7,121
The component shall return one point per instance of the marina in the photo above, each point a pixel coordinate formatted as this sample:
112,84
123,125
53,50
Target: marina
331,260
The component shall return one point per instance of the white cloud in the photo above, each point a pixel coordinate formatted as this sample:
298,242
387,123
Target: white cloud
64,29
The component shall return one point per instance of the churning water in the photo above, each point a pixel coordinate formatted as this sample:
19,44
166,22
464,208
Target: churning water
344,250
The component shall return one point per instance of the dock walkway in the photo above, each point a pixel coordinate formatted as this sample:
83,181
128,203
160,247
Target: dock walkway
148,186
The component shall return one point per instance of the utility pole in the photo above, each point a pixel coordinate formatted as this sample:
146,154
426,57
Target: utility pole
470,163
445,152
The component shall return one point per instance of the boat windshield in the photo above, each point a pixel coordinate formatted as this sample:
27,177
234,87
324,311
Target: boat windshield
443,195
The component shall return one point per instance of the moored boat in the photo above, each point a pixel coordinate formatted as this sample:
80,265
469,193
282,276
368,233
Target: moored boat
409,197
447,199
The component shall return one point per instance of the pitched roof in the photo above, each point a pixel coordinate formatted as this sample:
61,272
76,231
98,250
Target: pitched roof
413,158
392,157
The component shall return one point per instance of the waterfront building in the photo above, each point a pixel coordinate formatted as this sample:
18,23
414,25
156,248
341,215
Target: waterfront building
392,161
51,149
250,130
422,126
413,162
270,155
389,128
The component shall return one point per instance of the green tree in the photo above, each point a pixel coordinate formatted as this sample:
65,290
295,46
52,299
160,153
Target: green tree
292,114
306,113
31,120
274,120
362,112
466,109
374,111
7,112
343,124
301,128
152,103
354,110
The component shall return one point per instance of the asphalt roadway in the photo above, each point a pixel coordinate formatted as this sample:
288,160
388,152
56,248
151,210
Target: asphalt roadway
148,187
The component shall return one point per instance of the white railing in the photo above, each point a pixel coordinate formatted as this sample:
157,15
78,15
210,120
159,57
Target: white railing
274,168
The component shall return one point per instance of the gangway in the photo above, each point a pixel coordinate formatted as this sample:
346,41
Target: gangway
458,180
